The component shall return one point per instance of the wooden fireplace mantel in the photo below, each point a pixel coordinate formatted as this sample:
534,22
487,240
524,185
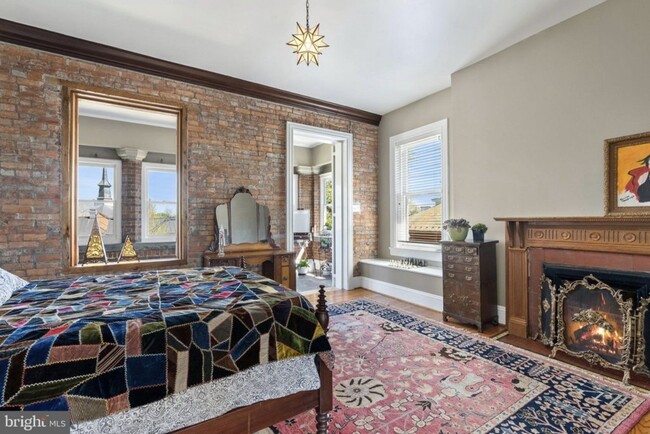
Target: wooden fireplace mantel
612,235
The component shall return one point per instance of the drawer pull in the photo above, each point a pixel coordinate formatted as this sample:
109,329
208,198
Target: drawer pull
459,249
468,268
451,266
446,249
468,259
459,299
452,275
468,278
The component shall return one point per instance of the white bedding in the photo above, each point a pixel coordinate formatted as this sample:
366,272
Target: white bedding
9,283
206,401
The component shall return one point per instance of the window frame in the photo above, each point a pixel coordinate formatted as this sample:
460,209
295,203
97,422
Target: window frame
323,215
425,251
73,93
144,193
116,193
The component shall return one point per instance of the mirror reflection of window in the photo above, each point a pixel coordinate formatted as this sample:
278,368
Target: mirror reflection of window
99,192
159,202
127,176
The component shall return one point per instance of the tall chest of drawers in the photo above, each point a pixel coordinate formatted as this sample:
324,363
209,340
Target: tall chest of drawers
469,282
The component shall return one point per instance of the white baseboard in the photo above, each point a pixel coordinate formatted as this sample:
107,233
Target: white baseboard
355,282
501,311
425,299
432,301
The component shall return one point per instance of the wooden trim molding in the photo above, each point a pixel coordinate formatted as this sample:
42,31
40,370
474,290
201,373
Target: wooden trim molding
72,94
622,235
40,39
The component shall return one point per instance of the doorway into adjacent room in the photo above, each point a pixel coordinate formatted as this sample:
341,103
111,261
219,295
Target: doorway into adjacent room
318,205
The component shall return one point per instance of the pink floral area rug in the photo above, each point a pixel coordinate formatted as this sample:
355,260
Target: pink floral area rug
397,373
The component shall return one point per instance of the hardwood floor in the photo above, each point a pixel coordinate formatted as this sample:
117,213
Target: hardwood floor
341,296
500,332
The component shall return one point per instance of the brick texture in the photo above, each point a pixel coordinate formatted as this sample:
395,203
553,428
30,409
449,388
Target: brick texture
307,198
131,199
233,141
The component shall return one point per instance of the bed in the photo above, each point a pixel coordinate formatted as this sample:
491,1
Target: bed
106,348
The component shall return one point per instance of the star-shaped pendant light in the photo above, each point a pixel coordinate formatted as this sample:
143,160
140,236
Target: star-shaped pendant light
308,42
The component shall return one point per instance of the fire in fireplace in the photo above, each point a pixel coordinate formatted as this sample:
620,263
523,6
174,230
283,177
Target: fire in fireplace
592,331
593,322
598,315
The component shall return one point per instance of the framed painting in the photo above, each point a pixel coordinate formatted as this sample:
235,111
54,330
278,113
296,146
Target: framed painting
627,175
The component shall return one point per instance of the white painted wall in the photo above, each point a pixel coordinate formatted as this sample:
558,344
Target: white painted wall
527,125
302,156
117,134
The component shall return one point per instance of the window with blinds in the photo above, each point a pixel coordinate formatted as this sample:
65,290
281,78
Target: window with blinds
418,187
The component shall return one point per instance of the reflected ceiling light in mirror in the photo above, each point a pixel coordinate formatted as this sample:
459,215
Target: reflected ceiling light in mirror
307,42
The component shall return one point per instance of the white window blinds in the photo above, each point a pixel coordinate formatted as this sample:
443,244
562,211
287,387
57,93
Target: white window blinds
418,190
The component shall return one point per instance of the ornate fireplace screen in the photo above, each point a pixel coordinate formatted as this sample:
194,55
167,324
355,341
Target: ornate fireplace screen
598,329
547,312
590,319
642,353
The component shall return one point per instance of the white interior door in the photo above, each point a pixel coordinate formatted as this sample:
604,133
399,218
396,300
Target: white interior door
342,191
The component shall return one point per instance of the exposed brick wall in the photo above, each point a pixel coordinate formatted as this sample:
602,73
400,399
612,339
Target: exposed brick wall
309,198
233,141
366,223
131,199
306,195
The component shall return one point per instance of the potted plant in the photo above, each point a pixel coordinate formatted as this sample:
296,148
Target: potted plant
456,228
303,267
478,232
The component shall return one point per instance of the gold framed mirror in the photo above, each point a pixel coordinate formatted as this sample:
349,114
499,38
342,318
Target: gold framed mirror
126,181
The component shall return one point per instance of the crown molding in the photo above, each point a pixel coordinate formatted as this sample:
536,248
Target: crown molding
40,39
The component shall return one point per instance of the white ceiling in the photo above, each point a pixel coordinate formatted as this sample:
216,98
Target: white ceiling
115,112
307,139
383,54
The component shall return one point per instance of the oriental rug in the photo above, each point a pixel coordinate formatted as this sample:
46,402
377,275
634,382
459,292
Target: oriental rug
399,373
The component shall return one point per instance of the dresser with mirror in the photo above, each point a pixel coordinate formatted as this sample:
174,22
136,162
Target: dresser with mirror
245,240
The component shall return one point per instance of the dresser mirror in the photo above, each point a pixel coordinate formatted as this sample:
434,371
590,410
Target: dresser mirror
243,239
243,220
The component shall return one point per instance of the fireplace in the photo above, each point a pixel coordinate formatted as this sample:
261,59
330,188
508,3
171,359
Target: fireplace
590,244
596,314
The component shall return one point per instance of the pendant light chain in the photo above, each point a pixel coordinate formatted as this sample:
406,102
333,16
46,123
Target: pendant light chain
307,42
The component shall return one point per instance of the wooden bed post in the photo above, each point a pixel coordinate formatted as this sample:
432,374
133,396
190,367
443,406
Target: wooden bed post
324,398
325,374
322,315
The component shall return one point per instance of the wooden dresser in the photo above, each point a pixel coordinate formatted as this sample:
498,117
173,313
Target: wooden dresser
243,233
469,282
275,264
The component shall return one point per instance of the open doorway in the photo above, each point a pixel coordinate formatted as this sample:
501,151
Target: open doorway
318,205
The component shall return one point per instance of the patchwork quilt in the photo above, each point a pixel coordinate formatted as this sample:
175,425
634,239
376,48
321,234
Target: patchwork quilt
98,345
